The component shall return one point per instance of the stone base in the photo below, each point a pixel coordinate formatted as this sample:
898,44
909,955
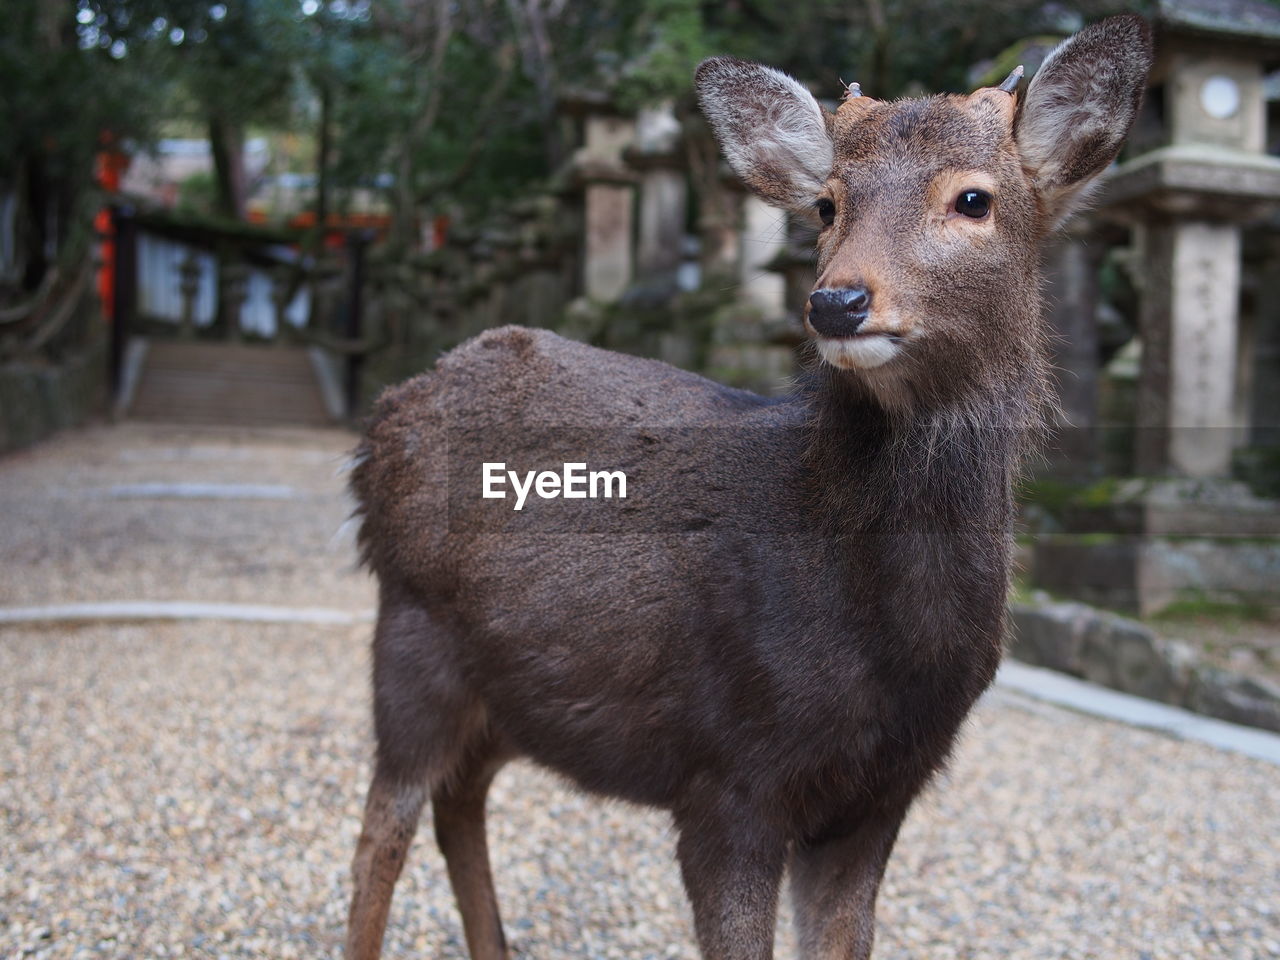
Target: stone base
1143,545
1128,656
1147,575
37,400
1172,508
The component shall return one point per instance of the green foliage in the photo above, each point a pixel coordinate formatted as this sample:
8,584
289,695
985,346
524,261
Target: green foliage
1196,607
447,104
197,193
892,48
668,40
1259,467
1057,496
382,93
59,99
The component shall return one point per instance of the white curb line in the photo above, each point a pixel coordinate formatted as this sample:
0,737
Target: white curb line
200,491
1085,697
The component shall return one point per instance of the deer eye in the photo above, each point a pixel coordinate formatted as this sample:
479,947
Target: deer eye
973,203
826,210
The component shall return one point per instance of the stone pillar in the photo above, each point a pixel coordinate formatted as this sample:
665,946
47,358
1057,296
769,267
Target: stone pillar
608,190
663,202
664,192
1071,275
1260,359
1187,389
606,256
763,238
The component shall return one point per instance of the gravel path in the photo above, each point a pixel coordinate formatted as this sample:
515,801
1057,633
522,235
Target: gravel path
80,525
194,789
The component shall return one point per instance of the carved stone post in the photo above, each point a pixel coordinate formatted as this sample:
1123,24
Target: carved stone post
608,191
1071,275
763,238
235,284
188,289
664,193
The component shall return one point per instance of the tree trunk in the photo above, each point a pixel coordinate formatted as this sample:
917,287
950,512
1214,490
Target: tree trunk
322,160
535,48
226,138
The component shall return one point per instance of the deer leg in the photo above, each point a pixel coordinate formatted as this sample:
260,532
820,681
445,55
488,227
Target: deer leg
425,721
731,872
390,821
458,805
834,882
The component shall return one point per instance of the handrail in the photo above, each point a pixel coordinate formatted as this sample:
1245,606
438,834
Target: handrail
344,346
20,312
58,317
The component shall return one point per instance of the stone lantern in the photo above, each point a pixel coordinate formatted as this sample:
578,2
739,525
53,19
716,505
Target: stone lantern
1188,198
608,190
1197,173
664,193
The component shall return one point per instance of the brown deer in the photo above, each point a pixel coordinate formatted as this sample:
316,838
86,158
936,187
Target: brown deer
779,631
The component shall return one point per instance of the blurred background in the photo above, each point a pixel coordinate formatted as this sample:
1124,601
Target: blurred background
225,226
260,213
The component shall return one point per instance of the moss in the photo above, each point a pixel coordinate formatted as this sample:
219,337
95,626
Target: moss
1021,592
1262,541
1086,539
1053,495
1259,468
1107,491
1195,606
1057,496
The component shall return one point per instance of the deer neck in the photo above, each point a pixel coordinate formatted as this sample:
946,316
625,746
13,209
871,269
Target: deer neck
885,461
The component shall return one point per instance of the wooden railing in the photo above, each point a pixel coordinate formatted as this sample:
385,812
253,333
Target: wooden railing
174,279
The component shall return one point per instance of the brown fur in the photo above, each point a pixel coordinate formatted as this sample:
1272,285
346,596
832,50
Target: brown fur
777,635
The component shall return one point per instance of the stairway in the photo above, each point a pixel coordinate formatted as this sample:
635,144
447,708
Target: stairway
225,383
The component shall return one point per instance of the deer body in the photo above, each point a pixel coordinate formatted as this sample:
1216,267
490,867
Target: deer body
778,635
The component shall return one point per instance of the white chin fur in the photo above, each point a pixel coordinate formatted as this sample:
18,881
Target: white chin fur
858,353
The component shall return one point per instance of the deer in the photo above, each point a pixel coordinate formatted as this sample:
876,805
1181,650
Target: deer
778,634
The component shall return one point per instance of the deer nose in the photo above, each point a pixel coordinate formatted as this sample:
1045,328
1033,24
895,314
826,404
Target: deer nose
839,312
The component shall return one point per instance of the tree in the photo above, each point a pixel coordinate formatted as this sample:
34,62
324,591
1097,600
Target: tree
238,69
65,91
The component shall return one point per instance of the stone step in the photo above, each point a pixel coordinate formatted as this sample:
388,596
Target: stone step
223,383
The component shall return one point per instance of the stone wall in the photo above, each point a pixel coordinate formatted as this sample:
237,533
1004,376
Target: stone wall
38,398
1128,656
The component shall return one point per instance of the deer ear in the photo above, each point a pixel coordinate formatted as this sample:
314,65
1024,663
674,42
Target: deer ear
773,132
1080,106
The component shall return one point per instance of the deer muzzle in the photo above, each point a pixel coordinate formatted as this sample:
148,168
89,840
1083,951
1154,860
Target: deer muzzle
839,312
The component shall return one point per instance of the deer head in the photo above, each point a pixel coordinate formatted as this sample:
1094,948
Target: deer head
932,211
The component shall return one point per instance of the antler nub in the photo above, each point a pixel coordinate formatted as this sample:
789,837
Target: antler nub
1011,81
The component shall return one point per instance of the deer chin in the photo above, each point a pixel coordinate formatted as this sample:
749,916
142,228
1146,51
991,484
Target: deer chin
863,351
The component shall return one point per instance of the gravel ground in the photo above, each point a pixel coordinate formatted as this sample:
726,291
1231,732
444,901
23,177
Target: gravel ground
70,536
194,789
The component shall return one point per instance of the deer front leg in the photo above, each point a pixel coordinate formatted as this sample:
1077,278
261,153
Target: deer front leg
834,882
732,871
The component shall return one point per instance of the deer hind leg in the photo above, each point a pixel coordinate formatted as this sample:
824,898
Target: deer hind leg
834,882
425,722
390,821
458,805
